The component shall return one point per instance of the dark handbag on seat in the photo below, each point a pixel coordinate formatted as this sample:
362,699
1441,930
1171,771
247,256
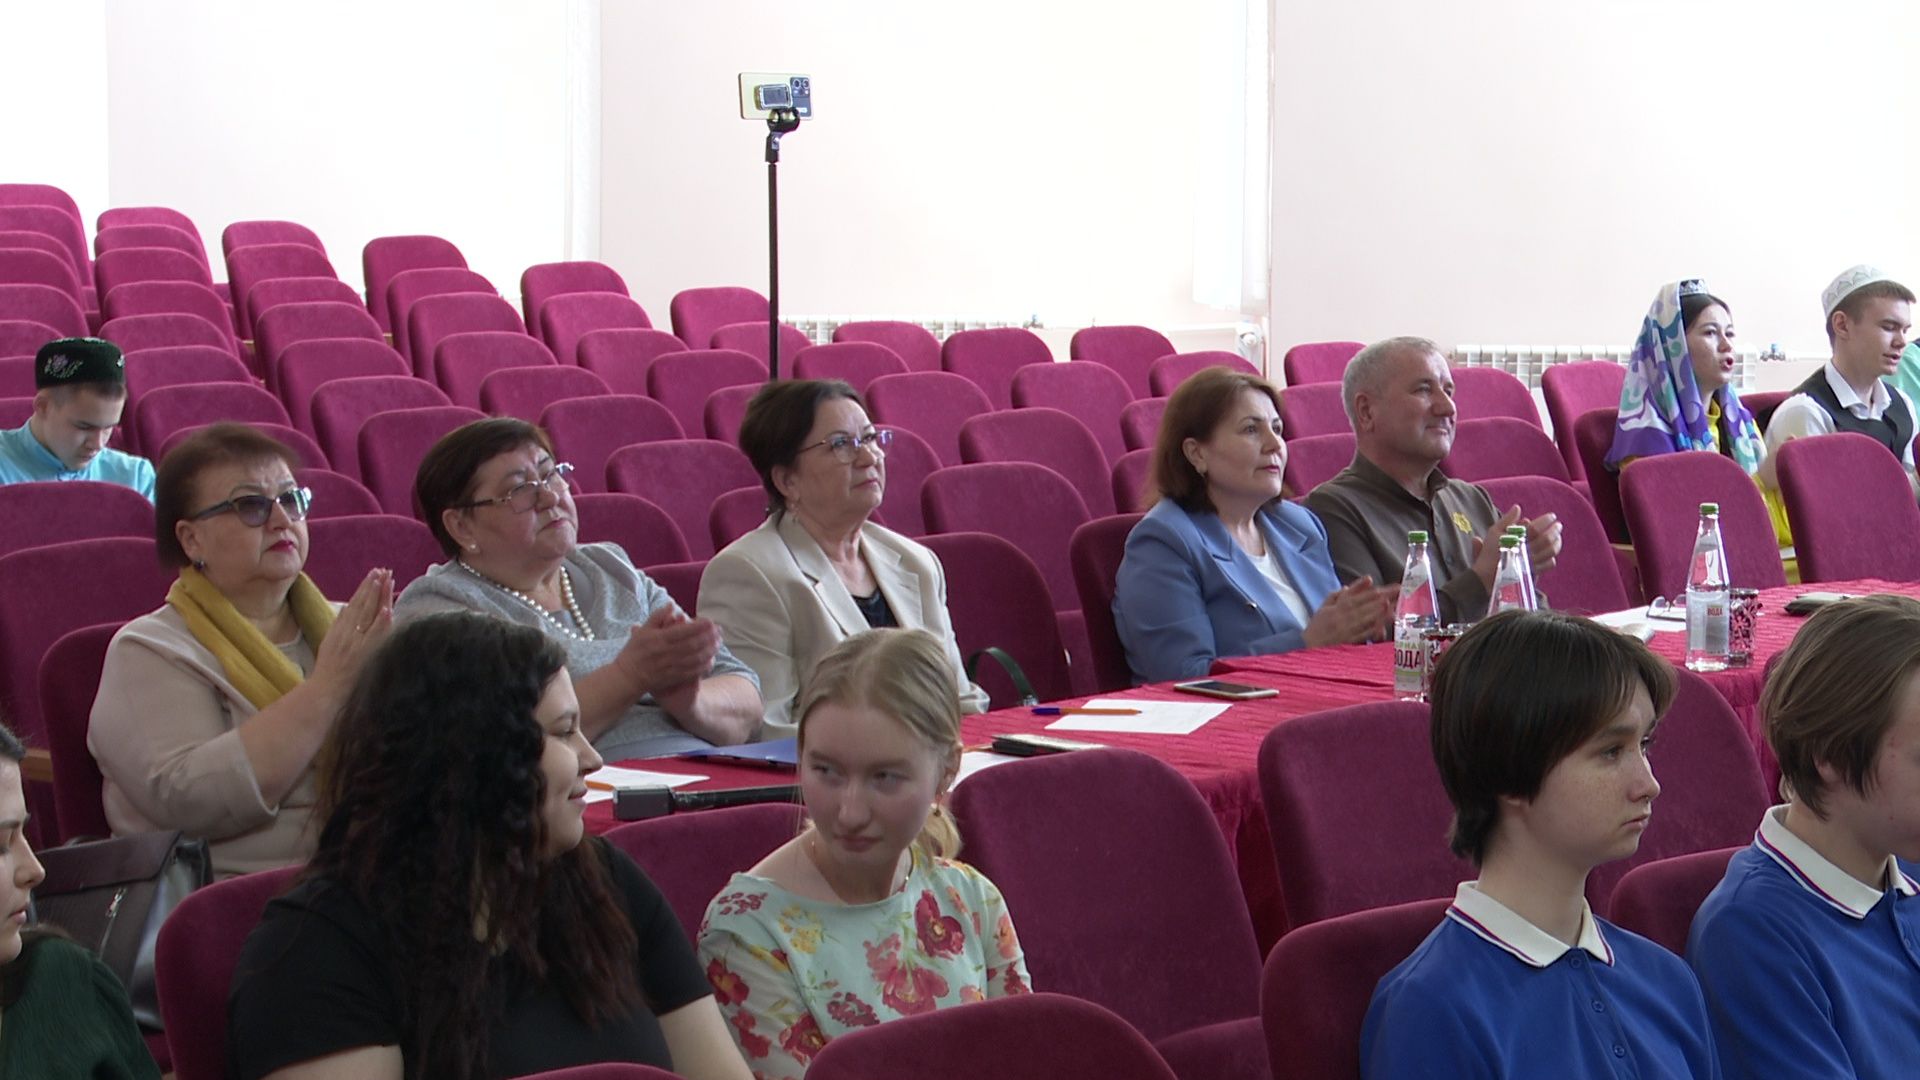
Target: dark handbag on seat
112,895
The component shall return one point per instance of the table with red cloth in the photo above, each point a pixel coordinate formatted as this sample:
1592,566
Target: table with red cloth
1220,758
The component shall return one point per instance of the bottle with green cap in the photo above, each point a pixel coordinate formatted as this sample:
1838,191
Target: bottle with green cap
1526,565
1707,610
1509,579
1416,614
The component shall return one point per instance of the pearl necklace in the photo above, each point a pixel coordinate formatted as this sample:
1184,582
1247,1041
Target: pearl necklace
585,633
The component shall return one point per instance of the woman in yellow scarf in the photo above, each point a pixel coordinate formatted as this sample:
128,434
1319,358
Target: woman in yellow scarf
212,709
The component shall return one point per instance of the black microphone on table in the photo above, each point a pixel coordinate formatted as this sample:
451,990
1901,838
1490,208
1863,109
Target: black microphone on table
642,803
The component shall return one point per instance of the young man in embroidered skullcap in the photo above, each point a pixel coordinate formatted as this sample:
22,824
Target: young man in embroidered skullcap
1549,778
1399,397
1809,948
1869,317
80,390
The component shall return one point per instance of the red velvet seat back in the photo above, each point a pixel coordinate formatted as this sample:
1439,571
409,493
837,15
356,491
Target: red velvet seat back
1357,814
1318,361
1096,549
1572,389
1482,392
621,357
526,392
340,406
1028,505
1132,475
855,363
1169,951
306,366
54,512
691,856
914,344
284,324
1128,350
157,331
383,257
44,304
1140,422
193,966
566,318
543,281
1662,495
931,404
250,265
682,381
1091,393
1658,900
1593,437
697,313
1586,579
171,408
1316,459
909,462
991,586
462,361
410,286
1027,1037
392,444
1169,372
1498,446
726,410
1846,497
735,514
683,478
340,551
751,338
432,319
644,531
990,357
1319,981
1046,437
587,430
69,679
1313,409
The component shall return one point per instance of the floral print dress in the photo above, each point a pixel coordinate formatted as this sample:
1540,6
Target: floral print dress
791,972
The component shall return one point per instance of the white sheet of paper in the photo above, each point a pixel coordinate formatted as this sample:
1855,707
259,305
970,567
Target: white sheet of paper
974,760
1633,620
1154,718
619,777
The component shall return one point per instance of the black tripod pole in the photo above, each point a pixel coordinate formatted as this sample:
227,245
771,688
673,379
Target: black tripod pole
779,123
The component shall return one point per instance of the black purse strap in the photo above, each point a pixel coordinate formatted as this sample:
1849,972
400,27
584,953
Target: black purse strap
1008,664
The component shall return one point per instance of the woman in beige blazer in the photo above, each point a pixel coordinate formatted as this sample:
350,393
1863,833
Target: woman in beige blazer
819,570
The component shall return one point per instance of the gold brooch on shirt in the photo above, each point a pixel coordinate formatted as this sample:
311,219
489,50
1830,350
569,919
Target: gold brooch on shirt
1460,522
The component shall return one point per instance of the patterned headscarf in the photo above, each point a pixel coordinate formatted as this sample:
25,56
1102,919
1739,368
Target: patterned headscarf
1660,406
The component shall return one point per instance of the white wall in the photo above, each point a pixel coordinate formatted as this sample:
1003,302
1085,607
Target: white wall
53,98
357,118
1516,171
1002,157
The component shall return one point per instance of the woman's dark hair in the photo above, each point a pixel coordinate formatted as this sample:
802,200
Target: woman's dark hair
1498,727
1194,410
1692,305
445,478
431,792
210,447
778,420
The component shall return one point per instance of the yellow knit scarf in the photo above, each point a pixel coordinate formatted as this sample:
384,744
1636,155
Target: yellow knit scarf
257,669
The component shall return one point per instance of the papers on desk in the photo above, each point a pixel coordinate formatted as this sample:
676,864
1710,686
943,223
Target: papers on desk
601,783
1153,718
974,760
1640,623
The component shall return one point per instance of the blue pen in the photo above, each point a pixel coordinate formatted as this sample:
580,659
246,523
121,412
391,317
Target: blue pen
1080,710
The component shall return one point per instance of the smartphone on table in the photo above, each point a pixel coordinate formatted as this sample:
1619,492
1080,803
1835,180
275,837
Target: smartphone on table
1220,688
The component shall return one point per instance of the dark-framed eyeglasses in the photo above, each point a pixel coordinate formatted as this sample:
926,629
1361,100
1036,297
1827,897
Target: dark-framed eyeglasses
254,510
845,448
525,495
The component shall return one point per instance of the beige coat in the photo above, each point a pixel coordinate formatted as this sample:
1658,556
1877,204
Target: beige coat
166,732
782,607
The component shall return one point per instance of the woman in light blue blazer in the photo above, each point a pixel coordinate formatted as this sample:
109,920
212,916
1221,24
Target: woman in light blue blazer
1222,565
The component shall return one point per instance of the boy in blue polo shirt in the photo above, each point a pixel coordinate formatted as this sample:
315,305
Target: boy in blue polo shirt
1809,948
80,389
1549,778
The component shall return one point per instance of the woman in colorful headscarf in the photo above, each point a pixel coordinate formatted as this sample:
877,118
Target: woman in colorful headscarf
1678,394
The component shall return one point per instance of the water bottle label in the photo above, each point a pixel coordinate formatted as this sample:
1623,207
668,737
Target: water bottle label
1707,625
1409,659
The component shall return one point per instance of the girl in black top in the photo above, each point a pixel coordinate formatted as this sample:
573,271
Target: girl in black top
452,922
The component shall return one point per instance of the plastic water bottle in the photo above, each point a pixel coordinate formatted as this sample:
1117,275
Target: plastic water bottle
1510,580
1707,610
1526,565
1412,619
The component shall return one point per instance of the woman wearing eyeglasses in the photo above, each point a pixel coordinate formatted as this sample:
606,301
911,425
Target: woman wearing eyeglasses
651,680
819,570
211,709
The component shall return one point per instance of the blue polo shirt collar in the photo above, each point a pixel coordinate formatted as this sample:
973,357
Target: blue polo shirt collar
1501,927
24,438
1814,873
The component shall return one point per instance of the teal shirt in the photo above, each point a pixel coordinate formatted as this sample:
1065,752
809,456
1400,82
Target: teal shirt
72,1020
1907,376
23,460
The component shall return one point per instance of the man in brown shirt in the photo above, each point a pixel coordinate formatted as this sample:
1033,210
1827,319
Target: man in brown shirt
1399,395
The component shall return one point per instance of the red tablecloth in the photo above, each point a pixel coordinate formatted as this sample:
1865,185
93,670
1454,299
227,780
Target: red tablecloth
1220,758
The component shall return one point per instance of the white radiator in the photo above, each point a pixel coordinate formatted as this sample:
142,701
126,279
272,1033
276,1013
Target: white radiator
819,328
1527,362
